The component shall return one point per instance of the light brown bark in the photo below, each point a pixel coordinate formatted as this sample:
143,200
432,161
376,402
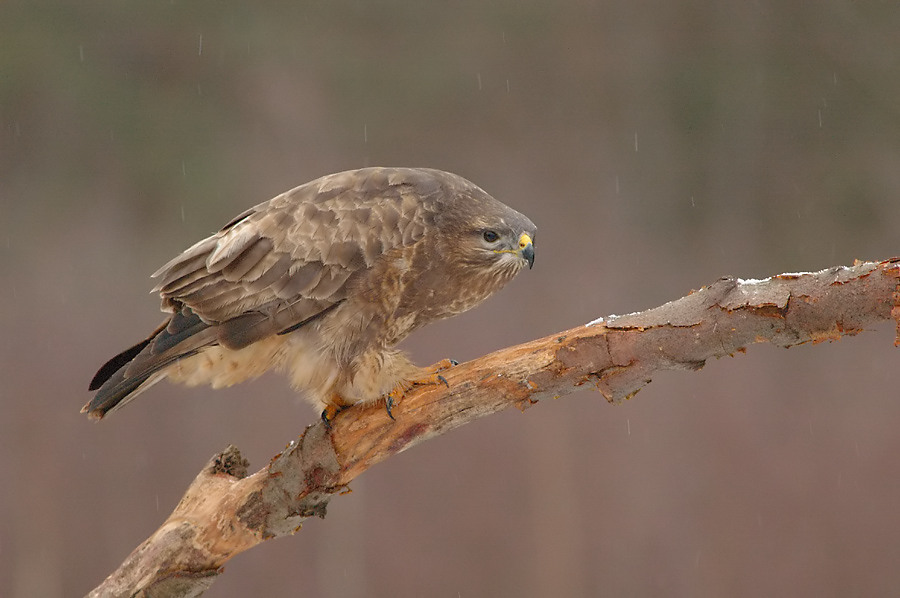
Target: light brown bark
225,511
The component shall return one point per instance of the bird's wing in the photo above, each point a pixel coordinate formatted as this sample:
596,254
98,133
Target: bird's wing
286,261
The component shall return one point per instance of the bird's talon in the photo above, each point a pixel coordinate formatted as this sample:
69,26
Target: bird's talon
444,364
388,404
443,380
328,415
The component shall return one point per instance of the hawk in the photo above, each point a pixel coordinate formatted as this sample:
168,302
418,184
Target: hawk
322,282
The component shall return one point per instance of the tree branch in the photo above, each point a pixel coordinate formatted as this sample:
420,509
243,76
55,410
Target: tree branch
225,512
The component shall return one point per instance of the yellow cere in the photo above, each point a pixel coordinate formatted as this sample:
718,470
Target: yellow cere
524,241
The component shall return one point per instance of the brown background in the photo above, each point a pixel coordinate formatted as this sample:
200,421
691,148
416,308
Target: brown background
657,145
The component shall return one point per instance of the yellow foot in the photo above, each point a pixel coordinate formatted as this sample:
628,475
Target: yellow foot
443,365
331,410
395,396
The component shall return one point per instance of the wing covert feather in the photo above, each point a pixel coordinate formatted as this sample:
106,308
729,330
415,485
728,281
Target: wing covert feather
286,260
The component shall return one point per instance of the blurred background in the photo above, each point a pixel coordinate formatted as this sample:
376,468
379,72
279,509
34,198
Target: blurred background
657,145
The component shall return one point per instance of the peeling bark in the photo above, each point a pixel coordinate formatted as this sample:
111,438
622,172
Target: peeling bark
225,511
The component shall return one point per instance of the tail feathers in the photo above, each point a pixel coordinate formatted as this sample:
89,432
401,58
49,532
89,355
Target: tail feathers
136,369
119,393
109,369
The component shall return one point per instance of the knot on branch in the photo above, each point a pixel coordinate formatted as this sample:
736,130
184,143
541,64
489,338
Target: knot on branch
229,462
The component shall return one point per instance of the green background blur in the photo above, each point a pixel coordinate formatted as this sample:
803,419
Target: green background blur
657,145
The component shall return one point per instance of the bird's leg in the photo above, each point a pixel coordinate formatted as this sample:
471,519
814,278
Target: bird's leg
432,378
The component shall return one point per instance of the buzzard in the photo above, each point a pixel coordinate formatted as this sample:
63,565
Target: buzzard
322,282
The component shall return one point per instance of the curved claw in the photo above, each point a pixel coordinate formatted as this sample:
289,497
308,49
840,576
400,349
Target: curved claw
388,404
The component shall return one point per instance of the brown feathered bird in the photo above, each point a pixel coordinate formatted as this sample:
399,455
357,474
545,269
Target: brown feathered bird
322,282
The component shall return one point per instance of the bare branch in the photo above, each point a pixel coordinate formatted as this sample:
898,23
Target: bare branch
225,512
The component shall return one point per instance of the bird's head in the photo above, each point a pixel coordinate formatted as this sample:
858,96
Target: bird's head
491,237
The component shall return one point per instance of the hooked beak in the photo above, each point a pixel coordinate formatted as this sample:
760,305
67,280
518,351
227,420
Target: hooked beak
526,249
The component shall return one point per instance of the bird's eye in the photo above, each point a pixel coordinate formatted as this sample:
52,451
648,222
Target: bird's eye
490,236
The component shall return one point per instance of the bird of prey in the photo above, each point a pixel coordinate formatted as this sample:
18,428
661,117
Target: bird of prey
321,282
